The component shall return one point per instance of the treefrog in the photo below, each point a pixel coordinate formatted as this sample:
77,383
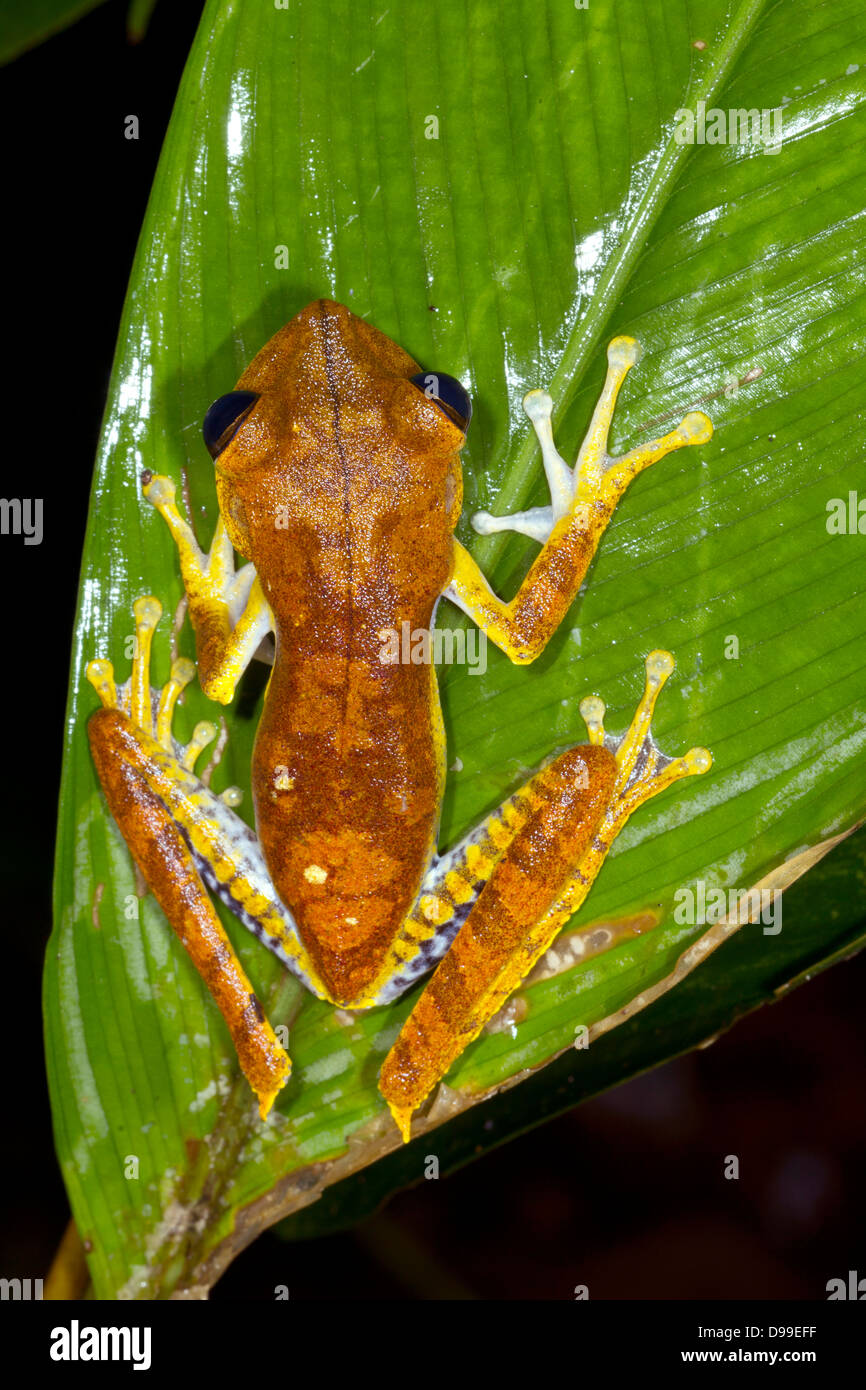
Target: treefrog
338,478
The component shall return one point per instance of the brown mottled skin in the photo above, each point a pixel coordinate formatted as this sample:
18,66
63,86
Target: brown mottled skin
343,487
570,795
160,851
554,578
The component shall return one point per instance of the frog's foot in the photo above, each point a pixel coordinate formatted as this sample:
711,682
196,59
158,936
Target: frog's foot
212,573
149,708
182,835
228,609
642,769
597,478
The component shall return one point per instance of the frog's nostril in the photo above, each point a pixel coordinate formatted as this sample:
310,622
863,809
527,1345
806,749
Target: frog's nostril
224,419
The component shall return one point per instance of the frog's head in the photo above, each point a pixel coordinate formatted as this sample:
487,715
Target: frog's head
332,413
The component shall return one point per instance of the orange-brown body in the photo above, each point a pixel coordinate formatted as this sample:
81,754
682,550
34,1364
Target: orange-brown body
344,488
338,477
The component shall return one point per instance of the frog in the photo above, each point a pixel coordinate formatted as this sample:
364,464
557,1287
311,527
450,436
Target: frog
339,484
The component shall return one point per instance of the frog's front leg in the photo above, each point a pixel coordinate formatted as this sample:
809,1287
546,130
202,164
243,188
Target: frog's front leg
582,502
229,613
186,840
566,820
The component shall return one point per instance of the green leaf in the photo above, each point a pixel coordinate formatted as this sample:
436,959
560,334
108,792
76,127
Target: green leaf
25,26
553,209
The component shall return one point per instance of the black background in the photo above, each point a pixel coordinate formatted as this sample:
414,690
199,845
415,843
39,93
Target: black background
625,1193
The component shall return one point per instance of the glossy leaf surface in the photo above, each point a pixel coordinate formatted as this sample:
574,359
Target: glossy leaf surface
500,189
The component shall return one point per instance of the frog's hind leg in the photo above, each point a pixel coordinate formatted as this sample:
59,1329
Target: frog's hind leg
455,880
181,834
450,889
576,806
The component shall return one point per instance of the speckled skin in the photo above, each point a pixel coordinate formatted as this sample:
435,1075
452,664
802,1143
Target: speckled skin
343,487
339,482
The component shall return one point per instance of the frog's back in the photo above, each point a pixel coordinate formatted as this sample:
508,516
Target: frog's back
350,527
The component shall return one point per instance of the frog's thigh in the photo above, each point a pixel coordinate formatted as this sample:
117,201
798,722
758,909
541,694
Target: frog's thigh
163,856
497,944
449,891
186,839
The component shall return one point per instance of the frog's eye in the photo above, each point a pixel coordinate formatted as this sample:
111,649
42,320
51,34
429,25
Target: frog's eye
448,394
224,419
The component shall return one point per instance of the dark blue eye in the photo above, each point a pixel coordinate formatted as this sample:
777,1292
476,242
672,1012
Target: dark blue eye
448,394
225,418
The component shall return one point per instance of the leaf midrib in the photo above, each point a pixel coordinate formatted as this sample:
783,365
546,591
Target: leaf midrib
566,379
